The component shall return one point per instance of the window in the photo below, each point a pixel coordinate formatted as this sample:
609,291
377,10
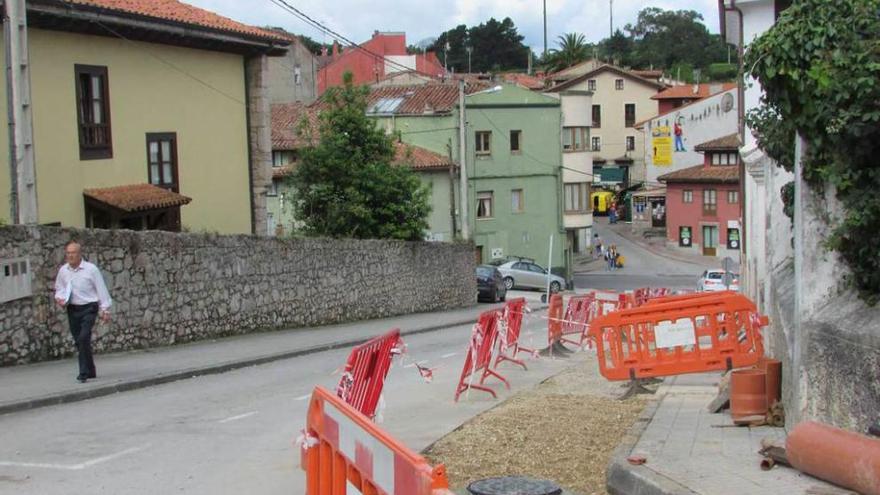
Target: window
273,189
297,75
575,138
484,142
484,204
710,202
577,197
591,85
596,144
630,143
282,158
733,197
629,114
687,196
93,112
162,160
515,141
618,84
516,201
724,158
597,116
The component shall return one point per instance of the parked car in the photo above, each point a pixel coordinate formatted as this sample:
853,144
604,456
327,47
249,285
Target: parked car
714,280
525,274
490,284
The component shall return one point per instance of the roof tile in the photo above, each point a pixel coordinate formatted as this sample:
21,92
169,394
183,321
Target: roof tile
725,143
725,174
687,91
173,10
137,197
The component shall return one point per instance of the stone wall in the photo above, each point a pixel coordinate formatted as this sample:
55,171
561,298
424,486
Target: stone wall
171,288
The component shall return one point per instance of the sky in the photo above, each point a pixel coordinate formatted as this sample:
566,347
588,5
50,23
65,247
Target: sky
421,19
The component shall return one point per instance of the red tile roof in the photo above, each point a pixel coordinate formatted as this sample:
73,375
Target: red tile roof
524,80
419,158
612,68
724,174
286,120
137,197
687,91
726,143
424,98
172,10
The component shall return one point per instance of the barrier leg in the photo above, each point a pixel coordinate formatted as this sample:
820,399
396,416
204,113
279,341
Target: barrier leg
503,357
488,372
465,386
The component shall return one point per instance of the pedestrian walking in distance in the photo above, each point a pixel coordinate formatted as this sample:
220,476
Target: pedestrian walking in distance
80,289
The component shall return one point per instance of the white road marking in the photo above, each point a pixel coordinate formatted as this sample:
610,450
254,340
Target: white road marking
448,355
235,418
74,467
303,397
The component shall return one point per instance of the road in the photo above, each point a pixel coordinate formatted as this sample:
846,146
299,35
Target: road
644,268
234,433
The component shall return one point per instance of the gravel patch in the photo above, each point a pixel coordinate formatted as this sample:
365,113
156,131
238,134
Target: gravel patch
563,430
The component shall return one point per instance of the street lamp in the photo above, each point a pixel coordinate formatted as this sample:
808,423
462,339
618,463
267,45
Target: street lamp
469,50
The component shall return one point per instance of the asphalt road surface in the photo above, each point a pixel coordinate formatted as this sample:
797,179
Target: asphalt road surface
234,433
644,268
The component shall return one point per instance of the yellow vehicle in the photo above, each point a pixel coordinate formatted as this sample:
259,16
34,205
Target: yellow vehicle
601,201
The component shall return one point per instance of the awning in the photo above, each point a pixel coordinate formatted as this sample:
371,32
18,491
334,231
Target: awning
134,198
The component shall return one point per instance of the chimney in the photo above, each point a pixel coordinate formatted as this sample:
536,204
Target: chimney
335,48
323,51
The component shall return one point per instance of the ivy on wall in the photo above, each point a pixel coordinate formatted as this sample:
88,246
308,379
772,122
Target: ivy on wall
819,67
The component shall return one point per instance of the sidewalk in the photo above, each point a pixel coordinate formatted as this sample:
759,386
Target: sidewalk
690,451
43,384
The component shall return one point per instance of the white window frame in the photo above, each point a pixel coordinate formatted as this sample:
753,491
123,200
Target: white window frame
618,84
635,118
593,141
517,206
485,200
591,85
687,196
483,147
630,139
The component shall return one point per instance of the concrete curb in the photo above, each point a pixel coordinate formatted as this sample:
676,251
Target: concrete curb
623,478
214,369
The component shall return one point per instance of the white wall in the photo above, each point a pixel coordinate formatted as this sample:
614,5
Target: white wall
702,121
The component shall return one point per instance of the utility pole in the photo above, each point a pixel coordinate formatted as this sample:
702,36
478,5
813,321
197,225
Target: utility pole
469,50
545,30
462,163
22,169
610,18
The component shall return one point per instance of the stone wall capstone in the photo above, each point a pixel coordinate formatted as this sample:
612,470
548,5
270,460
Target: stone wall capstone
170,288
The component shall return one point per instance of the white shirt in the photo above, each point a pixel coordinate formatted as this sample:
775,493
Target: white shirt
82,285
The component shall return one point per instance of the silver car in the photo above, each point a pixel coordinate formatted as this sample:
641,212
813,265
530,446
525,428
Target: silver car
525,274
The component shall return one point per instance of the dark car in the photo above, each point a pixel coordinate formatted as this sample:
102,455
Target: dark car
490,284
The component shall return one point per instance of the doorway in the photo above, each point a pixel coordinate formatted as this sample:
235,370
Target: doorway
710,240
479,255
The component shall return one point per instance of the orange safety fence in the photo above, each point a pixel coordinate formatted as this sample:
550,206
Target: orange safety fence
690,296
479,356
674,335
343,452
511,319
578,313
364,375
554,319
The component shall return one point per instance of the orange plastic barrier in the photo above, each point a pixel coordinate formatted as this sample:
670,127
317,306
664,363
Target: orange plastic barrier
645,294
554,319
479,356
364,375
512,316
344,451
690,296
678,335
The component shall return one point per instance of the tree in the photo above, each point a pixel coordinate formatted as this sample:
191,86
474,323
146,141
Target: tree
312,45
495,46
573,49
664,38
347,185
618,49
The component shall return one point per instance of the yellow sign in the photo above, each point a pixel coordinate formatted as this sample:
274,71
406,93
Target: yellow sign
661,143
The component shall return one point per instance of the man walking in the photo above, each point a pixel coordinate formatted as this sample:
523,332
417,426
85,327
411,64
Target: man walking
80,288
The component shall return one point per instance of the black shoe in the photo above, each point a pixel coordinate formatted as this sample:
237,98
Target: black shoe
92,375
81,378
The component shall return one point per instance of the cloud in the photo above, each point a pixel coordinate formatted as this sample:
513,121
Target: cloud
357,19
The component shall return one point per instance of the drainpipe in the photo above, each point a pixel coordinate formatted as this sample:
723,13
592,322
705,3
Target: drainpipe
741,124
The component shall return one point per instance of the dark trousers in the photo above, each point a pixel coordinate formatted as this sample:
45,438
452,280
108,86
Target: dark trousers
82,319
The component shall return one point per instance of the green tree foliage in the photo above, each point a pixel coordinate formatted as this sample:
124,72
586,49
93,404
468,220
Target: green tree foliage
347,185
312,45
572,49
820,69
618,49
665,38
495,46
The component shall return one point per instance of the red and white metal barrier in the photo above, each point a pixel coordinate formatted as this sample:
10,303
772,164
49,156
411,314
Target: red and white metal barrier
364,375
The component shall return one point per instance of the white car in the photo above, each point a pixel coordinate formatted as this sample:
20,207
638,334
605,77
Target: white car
525,274
715,280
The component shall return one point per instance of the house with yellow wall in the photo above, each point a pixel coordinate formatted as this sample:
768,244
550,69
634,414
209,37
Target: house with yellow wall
149,114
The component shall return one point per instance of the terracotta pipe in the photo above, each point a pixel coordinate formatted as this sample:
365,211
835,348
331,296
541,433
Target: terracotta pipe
773,367
842,457
748,395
